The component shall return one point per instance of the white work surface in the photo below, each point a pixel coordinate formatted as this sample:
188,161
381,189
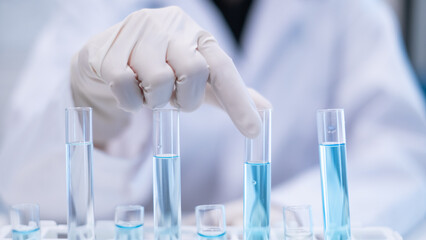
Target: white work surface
105,230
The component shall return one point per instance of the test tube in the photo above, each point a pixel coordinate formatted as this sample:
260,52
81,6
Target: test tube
257,181
211,221
332,149
129,220
25,222
167,191
298,222
79,148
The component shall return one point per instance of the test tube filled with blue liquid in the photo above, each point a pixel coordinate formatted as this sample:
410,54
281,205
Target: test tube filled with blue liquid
167,190
79,150
257,181
332,148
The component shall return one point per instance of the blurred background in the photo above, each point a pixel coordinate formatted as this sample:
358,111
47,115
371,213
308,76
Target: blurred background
21,21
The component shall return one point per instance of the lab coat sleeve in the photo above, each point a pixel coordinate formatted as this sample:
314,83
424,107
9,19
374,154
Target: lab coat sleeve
32,154
385,126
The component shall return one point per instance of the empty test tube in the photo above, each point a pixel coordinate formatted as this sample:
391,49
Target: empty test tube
332,148
257,181
298,222
79,146
167,188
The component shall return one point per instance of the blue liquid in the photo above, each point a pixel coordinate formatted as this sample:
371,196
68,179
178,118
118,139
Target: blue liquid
128,233
167,197
211,232
335,191
81,220
221,236
26,235
257,193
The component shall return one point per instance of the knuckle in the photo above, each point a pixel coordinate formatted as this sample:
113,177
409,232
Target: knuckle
157,79
175,9
83,56
192,68
116,77
205,39
158,87
139,13
82,62
193,65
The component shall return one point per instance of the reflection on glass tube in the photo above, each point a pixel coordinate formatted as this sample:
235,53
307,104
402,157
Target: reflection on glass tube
79,150
257,181
167,188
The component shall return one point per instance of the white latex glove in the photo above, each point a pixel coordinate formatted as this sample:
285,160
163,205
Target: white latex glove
153,57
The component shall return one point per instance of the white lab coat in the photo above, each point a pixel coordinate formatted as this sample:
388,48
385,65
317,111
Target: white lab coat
301,55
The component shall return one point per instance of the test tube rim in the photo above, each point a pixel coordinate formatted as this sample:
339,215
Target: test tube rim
210,207
297,206
330,110
263,109
78,109
15,206
166,109
131,206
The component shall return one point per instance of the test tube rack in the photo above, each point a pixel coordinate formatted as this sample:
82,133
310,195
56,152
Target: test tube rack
105,231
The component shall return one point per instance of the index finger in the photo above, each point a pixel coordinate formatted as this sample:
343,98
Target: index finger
229,87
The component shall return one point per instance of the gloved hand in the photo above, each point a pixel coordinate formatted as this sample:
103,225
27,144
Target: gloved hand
153,57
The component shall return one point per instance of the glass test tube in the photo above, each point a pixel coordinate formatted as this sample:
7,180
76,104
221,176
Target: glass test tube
332,148
129,220
79,145
211,221
257,181
25,222
167,191
298,222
